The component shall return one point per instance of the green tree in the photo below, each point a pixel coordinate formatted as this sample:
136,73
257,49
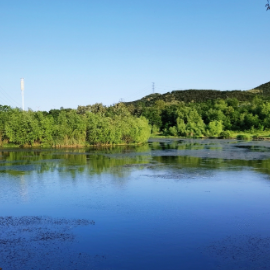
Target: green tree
215,128
267,5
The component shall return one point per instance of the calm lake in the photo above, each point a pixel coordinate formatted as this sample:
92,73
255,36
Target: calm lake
169,204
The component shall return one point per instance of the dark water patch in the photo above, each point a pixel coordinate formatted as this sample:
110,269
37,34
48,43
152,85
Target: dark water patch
241,252
254,148
71,153
221,154
73,167
144,165
203,165
213,147
168,176
49,256
33,242
177,174
48,160
22,168
223,149
129,155
9,161
36,220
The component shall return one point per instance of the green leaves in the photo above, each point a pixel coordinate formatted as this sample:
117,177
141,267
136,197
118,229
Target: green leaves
67,127
215,128
116,130
209,118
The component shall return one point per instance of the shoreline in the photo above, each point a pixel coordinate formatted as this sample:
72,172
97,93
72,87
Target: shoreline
44,146
249,137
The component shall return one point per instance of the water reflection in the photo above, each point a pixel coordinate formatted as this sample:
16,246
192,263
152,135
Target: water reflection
23,189
72,161
95,161
166,199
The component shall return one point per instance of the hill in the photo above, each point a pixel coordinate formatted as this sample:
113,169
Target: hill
194,95
264,89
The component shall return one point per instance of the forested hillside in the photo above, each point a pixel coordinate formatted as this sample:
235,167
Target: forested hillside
264,89
190,113
195,95
211,118
199,113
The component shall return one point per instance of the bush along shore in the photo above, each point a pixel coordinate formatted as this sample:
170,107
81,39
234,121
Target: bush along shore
218,118
70,128
129,124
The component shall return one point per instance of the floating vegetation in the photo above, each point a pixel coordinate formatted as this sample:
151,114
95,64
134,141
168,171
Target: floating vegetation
21,237
249,252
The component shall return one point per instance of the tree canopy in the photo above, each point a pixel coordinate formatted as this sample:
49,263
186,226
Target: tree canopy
267,5
90,125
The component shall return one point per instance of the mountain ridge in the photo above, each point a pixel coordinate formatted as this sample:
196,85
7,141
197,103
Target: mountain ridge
202,95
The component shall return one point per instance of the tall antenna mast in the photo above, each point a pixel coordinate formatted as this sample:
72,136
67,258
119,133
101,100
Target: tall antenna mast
22,89
153,87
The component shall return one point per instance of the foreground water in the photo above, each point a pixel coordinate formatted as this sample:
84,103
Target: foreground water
170,204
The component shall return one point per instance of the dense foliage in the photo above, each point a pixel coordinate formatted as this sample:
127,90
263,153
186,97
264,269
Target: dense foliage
191,113
264,89
211,118
64,127
267,5
195,95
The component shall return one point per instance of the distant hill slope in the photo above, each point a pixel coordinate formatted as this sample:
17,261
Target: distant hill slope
193,95
263,88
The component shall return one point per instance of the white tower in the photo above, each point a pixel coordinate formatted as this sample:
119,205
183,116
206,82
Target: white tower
22,89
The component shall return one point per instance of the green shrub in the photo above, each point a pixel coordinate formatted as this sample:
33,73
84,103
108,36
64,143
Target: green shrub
155,129
243,137
173,131
225,134
256,136
215,128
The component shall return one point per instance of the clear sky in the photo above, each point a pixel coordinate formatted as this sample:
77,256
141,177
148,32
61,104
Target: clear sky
81,52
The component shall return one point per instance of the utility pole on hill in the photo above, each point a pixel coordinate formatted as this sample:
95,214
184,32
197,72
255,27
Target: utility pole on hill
153,87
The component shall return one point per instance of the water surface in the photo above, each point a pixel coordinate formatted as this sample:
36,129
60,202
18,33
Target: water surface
169,204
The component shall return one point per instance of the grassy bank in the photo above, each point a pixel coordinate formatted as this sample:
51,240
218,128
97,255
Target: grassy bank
240,135
39,145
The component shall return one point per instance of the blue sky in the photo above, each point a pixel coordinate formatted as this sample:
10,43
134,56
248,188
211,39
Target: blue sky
81,52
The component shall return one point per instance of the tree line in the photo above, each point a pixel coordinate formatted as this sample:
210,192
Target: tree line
211,118
98,125
128,123
195,95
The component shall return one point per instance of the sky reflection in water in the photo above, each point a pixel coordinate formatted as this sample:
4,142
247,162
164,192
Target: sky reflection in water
152,209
